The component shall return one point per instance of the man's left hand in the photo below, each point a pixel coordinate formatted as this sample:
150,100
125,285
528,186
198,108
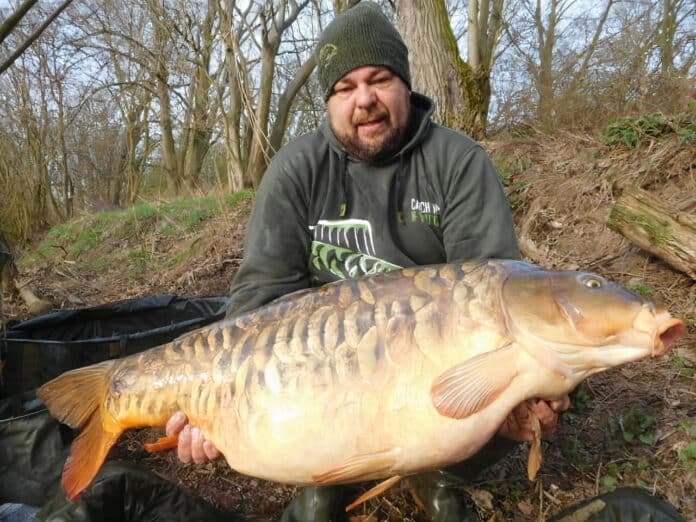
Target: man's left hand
518,427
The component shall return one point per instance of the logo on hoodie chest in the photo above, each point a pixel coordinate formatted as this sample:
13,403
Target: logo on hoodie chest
346,249
425,212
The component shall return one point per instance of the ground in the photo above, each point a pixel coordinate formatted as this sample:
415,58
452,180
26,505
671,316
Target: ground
634,425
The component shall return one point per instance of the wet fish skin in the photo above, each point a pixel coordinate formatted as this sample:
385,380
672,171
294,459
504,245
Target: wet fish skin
370,378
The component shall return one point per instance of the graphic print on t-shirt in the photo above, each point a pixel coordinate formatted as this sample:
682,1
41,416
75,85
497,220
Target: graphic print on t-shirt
346,249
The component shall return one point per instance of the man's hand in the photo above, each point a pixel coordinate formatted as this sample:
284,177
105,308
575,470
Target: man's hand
192,445
517,425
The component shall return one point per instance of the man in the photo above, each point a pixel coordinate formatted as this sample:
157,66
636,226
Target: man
377,187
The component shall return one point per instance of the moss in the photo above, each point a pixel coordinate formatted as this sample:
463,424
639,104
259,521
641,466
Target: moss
658,231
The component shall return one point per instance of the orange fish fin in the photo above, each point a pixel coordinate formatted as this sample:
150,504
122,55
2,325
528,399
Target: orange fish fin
535,456
163,443
472,385
87,454
373,492
74,396
369,466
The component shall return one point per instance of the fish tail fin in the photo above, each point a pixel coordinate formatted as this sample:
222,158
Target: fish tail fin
87,454
76,398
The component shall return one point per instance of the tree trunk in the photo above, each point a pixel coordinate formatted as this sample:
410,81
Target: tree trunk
546,41
484,28
260,153
657,229
68,188
201,110
237,88
274,25
200,130
170,160
437,70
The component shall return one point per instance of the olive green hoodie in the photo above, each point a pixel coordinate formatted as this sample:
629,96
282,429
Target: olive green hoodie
321,215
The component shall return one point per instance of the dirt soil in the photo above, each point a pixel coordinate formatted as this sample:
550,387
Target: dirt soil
627,427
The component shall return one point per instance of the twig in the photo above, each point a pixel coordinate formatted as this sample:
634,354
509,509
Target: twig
551,498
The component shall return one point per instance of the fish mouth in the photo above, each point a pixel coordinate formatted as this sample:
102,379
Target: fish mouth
669,329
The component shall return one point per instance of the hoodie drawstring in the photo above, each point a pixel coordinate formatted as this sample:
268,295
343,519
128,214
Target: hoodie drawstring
343,208
398,190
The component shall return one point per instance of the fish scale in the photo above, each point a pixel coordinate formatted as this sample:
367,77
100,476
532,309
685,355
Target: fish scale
406,371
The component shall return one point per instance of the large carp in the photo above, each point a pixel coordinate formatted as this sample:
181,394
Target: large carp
364,379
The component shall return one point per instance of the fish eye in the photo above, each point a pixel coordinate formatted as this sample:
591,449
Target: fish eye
593,282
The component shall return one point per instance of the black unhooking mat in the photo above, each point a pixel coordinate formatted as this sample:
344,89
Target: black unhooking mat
33,446
37,350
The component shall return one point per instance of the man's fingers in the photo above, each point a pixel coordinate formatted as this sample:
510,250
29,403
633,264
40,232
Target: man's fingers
197,452
517,425
184,448
560,405
548,418
175,424
210,450
543,412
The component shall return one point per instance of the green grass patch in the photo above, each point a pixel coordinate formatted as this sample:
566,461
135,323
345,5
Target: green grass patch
638,426
685,370
144,211
129,226
639,288
101,263
575,453
178,259
633,132
688,456
508,168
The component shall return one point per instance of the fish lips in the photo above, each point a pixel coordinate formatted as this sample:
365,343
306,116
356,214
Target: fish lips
656,326
669,330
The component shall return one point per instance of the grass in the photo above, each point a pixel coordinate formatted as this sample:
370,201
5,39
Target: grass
640,288
687,456
98,240
634,132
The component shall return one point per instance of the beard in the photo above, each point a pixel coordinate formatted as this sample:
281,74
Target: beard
371,148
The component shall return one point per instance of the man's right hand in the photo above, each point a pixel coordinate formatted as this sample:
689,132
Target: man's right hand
192,445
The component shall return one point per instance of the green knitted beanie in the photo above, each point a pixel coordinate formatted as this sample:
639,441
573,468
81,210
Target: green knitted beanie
360,36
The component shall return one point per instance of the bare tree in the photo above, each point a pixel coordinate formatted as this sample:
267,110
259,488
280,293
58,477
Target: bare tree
182,162
274,21
557,70
437,69
255,117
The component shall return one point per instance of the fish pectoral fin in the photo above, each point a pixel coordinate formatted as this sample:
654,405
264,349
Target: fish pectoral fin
373,492
161,444
472,385
368,466
535,456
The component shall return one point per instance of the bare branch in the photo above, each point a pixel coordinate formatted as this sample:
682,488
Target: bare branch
7,63
12,20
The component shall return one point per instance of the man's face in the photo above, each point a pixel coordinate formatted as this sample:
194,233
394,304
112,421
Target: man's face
369,110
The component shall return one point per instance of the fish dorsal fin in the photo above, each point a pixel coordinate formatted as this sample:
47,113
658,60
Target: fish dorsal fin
368,466
472,385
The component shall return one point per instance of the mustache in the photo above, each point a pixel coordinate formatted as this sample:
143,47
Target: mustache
376,114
